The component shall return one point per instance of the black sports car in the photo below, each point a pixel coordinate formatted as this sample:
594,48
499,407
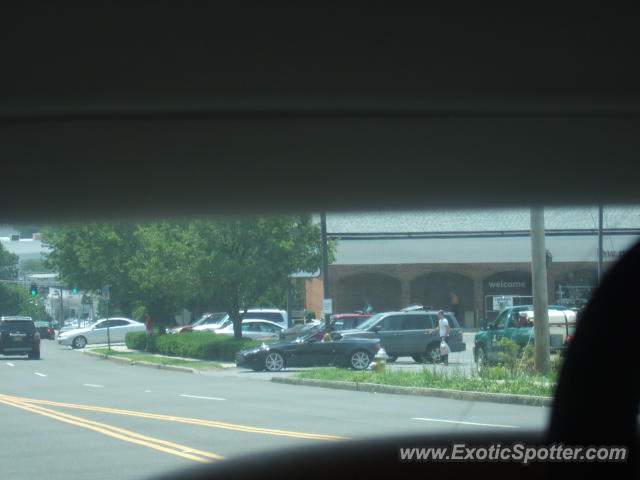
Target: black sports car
356,353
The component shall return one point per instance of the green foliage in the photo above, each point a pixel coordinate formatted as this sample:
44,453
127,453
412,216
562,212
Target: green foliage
446,379
200,345
8,264
509,354
167,266
15,300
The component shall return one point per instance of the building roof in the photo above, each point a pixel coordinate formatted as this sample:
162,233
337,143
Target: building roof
470,221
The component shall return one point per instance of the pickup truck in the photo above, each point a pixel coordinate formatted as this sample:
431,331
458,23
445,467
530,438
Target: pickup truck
516,324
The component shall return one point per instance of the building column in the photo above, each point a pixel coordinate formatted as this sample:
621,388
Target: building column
405,292
478,302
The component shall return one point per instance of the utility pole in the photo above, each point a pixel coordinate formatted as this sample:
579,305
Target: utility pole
540,293
600,215
325,265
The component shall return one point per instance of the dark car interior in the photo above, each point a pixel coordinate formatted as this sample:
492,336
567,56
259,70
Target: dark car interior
175,109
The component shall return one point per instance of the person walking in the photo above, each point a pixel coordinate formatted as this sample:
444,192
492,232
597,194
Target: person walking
443,330
148,322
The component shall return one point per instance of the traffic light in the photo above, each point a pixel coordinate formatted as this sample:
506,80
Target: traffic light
34,289
74,290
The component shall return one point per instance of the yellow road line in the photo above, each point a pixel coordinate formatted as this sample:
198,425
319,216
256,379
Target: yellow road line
192,421
119,433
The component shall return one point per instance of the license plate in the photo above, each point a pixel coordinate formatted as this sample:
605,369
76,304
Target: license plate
17,339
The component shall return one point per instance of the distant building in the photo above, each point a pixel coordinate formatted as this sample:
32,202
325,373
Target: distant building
395,259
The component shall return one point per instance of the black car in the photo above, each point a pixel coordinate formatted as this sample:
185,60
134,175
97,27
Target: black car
356,353
46,330
19,337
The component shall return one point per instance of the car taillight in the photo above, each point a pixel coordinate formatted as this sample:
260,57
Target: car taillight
569,338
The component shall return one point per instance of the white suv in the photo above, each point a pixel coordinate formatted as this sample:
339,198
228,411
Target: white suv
272,314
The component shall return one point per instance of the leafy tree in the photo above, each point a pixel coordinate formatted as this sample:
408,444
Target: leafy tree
239,263
8,264
91,255
161,267
16,300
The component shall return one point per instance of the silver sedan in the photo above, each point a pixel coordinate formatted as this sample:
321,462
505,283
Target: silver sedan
256,329
97,332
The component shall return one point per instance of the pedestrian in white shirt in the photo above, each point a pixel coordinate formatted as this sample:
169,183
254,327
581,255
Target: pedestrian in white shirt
443,330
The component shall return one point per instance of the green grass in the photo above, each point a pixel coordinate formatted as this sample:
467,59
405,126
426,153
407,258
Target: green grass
446,379
142,357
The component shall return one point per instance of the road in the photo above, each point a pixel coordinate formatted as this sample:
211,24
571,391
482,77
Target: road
72,415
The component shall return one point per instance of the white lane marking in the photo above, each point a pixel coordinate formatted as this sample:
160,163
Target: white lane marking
147,391
93,385
40,374
10,364
204,398
464,423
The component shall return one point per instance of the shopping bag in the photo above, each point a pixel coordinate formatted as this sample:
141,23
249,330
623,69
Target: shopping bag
444,348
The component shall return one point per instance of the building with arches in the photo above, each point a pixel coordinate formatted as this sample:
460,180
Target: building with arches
471,261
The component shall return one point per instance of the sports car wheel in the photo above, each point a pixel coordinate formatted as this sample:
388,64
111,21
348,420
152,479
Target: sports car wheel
359,360
274,362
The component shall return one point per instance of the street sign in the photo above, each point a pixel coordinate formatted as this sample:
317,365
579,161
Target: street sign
106,293
327,306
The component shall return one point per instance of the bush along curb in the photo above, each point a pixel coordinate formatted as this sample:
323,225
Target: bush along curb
422,391
159,366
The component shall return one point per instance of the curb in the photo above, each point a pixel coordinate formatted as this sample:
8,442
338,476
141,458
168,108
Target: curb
141,363
421,391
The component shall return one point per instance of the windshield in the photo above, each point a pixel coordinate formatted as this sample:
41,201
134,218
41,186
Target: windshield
370,322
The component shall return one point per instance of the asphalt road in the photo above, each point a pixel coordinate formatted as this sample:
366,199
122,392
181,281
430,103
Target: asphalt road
72,415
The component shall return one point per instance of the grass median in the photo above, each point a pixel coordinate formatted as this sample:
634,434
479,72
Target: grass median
493,380
144,357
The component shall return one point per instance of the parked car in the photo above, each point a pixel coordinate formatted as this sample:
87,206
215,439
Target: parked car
348,321
46,330
97,333
407,333
356,353
272,314
254,328
300,330
208,319
19,336
516,324
341,321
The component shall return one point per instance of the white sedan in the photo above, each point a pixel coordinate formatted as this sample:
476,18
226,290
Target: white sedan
97,332
256,329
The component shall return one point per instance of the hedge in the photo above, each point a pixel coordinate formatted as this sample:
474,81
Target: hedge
200,345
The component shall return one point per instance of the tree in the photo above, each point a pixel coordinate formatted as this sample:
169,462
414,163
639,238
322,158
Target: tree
161,267
239,263
15,300
8,264
91,255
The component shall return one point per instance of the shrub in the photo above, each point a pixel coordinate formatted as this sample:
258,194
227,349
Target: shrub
200,345
136,340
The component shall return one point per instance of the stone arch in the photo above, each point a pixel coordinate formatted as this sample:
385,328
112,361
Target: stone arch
434,289
382,291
